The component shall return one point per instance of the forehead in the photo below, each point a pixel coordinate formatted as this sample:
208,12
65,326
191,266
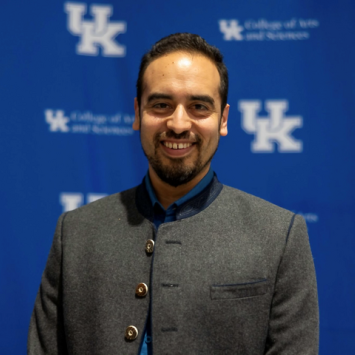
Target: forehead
182,73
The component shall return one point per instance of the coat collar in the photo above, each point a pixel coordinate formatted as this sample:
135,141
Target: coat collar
187,209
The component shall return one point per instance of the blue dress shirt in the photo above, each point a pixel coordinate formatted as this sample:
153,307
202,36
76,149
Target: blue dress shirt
163,216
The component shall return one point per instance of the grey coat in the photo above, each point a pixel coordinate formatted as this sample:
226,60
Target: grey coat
233,275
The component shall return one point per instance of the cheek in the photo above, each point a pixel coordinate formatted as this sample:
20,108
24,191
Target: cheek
151,124
149,134
147,129
209,132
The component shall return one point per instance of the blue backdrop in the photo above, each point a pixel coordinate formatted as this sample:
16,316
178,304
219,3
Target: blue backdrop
68,72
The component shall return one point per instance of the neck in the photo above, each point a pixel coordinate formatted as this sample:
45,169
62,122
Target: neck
167,194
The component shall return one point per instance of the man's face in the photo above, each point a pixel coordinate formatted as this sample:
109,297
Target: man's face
180,118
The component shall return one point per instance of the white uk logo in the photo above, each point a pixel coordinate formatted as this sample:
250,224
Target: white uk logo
97,33
231,30
274,129
56,120
87,122
72,200
262,29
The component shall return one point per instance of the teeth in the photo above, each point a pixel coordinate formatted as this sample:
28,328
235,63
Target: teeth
177,145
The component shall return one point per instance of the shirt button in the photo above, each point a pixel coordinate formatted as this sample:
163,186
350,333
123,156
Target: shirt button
149,246
131,332
141,289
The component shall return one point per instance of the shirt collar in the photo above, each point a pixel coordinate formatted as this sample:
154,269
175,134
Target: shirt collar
206,180
188,208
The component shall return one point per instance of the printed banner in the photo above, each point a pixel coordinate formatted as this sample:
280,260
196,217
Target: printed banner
68,74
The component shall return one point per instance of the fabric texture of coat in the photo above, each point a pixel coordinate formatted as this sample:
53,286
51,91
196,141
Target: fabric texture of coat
233,274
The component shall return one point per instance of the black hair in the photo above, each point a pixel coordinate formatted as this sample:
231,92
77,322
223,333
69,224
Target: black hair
185,42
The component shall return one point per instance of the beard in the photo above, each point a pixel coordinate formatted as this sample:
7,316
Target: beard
177,172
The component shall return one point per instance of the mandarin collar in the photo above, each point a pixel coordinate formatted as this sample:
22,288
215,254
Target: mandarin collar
187,208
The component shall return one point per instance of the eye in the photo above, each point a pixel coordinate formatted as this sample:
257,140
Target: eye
200,107
161,106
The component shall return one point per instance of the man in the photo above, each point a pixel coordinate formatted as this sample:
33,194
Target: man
180,264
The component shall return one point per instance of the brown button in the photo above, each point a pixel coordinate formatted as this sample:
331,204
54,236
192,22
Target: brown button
141,289
131,332
149,246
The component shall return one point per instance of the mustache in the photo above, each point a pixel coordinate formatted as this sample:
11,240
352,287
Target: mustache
195,138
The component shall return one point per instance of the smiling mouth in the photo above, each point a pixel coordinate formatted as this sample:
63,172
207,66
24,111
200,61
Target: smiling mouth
177,146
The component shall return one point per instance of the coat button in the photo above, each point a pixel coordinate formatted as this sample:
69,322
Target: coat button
131,332
149,246
141,289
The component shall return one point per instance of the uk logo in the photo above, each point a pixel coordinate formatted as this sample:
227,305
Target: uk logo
231,30
56,120
72,200
275,129
87,122
95,34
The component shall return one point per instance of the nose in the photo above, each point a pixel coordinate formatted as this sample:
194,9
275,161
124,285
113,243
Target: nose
179,121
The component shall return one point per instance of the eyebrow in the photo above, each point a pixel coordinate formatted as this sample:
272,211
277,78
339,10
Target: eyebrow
204,98
157,96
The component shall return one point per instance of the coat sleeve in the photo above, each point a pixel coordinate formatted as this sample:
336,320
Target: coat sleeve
46,332
293,327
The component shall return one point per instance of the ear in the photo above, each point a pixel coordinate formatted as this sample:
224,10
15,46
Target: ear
136,124
223,130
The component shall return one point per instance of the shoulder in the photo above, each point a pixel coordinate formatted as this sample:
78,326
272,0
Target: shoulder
243,199
257,221
116,205
253,208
